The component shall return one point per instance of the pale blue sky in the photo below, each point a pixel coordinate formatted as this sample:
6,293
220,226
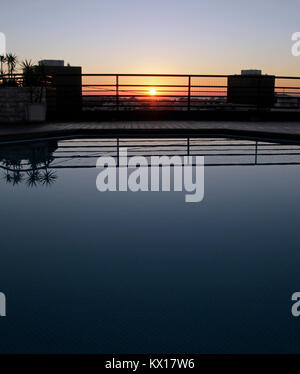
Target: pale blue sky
157,36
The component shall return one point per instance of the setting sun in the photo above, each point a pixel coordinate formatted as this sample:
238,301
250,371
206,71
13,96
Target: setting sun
152,92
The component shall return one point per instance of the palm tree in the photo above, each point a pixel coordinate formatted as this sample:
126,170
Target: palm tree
35,78
28,76
27,66
11,60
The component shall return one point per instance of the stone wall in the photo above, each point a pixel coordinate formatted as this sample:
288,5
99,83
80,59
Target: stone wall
13,101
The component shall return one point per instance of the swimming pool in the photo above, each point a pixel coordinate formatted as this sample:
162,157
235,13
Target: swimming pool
85,271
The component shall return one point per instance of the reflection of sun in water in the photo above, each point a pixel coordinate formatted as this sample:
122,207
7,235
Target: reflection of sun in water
152,92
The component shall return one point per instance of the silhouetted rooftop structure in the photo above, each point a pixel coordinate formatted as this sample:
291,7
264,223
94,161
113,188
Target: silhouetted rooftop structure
63,94
251,88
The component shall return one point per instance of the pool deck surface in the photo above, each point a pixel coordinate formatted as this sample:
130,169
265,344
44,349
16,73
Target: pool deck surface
270,130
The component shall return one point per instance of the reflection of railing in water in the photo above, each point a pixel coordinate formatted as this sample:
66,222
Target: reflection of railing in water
253,150
220,152
36,163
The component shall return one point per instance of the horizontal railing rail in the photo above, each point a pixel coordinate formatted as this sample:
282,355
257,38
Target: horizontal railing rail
185,92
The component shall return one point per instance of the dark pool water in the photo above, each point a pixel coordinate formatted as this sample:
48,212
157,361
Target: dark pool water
124,272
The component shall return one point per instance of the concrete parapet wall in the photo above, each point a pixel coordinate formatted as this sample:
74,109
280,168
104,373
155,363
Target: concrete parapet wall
13,103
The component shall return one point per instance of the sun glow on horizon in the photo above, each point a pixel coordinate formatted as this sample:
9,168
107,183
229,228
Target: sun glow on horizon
152,92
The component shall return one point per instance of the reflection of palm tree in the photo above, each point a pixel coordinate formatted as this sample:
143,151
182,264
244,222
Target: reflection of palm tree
17,177
33,162
33,178
48,177
7,177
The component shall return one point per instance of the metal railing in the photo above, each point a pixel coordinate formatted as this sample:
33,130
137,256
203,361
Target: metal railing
152,91
168,92
130,92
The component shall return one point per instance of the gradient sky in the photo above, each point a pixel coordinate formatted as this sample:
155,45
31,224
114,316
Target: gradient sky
156,36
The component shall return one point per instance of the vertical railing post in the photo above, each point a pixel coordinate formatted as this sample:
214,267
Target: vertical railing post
117,92
118,152
256,150
189,94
